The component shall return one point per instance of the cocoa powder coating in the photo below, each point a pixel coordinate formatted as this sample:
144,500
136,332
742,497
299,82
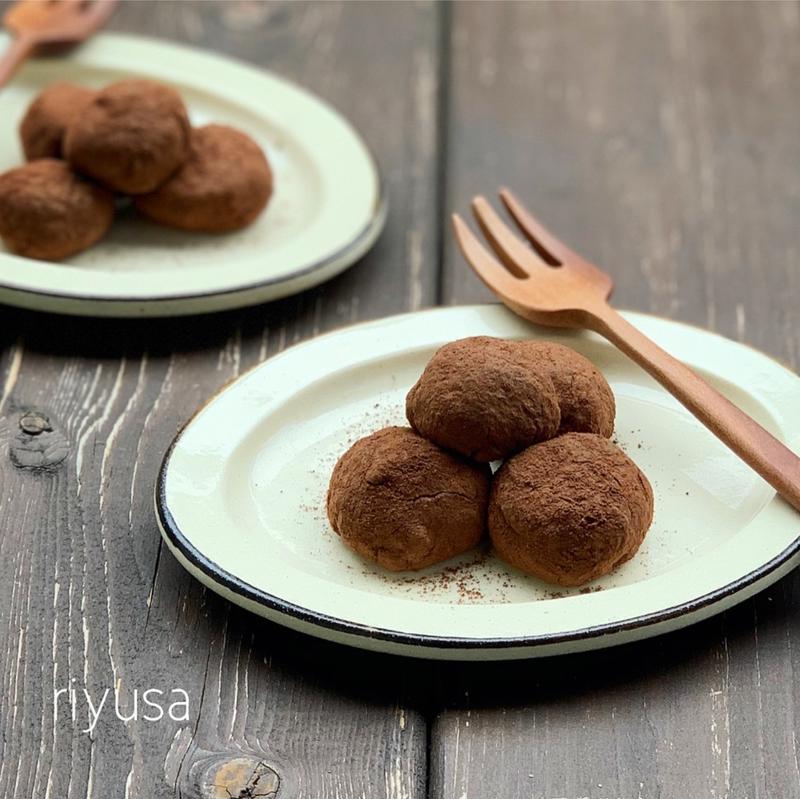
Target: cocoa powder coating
400,501
132,136
49,212
570,509
585,399
48,116
224,184
480,397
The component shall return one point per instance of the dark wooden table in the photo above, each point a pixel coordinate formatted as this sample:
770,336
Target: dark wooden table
663,140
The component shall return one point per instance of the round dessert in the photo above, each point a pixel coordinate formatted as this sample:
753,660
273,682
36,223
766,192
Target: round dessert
224,184
132,136
400,501
49,212
48,116
480,397
569,510
584,396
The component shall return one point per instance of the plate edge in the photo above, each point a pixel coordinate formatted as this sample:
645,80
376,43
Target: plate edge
219,576
369,233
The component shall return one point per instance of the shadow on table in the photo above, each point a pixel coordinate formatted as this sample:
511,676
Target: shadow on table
742,633
97,337
332,304
756,625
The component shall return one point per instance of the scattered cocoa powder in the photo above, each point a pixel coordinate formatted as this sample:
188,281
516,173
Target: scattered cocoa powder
400,501
570,509
464,577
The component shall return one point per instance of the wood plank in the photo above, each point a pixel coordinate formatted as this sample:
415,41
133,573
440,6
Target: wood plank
86,592
662,140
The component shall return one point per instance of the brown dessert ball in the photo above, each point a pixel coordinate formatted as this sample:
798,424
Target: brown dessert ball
584,396
400,501
49,212
570,509
131,137
48,116
224,185
480,397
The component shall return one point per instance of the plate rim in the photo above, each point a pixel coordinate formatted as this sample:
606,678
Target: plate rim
177,540
363,239
369,232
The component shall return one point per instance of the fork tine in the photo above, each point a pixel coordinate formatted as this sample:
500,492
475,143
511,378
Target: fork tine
518,258
554,251
490,271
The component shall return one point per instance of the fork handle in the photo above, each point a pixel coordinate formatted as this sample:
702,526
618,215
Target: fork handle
20,48
775,462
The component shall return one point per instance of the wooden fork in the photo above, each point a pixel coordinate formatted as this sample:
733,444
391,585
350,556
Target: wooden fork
549,284
33,23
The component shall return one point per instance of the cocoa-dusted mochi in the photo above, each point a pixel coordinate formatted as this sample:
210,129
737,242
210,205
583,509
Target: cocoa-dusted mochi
570,509
479,396
224,184
49,212
48,116
584,396
400,501
131,137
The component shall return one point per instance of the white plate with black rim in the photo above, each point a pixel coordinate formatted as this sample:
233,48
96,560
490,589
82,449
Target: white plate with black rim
241,498
327,209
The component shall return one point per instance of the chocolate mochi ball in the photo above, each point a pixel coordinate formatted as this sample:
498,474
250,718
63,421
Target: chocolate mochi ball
49,115
480,397
224,184
584,397
131,137
570,509
49,212
400,501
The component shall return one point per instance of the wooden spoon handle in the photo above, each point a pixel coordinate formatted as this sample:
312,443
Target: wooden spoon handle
777,464
19,49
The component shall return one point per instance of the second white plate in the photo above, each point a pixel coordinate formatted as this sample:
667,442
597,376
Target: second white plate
327,210
241,498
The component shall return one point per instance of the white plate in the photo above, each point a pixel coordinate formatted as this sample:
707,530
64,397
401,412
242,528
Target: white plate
327,209
241,498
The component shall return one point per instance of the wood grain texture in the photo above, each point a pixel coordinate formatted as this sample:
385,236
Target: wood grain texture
86,592
661,141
